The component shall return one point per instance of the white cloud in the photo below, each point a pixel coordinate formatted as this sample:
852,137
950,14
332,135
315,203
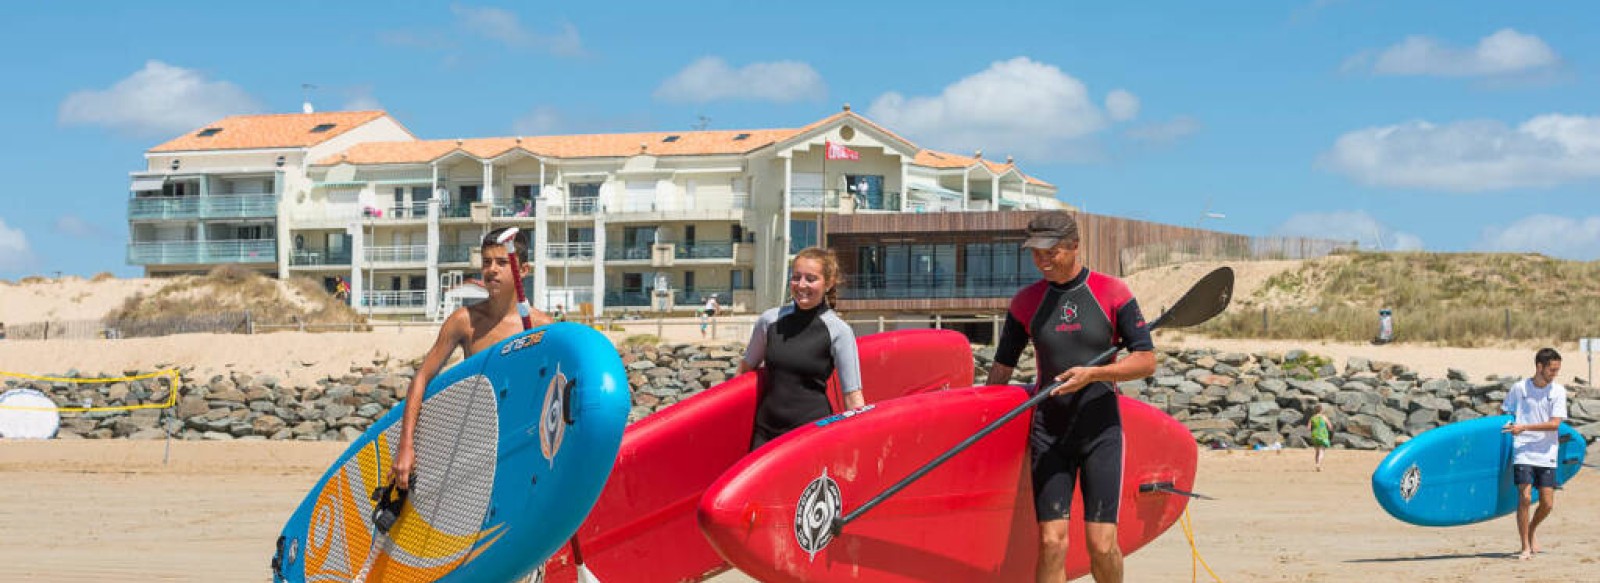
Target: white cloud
1502,53
360,98
1355,226
1122,105
158,100
712,79
74,226
543,120
1556,236
15,253
1021,105
504,27
1166,132
1471,156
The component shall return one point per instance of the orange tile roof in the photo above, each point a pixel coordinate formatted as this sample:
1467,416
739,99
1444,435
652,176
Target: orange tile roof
689,143
701,143
287,130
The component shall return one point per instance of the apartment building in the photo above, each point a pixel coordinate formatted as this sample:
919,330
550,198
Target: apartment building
632,222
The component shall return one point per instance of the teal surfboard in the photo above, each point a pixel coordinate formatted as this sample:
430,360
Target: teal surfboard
513,447
1461,473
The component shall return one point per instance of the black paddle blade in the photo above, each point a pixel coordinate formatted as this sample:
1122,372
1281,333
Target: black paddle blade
1169,488
1209,297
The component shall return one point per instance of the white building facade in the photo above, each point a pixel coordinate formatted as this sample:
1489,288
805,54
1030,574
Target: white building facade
642,222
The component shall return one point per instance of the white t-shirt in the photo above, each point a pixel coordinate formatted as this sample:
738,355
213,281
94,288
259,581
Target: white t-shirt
711,306
1534,404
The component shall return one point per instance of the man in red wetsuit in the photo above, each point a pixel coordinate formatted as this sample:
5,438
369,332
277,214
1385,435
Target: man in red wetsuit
1070,316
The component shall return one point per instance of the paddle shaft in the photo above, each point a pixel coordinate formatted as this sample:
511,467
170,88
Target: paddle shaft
1032,402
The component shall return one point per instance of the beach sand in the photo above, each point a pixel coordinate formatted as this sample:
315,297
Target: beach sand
112,511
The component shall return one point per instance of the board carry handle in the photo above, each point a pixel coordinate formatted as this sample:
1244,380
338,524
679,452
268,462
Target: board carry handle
568,413
1207,298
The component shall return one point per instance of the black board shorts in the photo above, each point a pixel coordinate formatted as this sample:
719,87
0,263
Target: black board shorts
1058,465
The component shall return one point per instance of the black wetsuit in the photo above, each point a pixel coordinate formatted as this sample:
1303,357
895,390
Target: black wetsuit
1081,432
801,349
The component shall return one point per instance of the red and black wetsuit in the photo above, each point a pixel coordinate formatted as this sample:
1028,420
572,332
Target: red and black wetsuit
1069,324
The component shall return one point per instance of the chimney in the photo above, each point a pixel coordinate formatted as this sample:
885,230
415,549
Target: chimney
643,146
1009,160
977,154
847,107
306,107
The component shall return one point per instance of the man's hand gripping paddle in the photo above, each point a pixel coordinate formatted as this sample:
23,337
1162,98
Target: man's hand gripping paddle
1208,297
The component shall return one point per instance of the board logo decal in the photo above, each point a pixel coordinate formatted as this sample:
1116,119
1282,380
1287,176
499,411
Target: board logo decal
1410,483
520,343
831,419
814,513
552,425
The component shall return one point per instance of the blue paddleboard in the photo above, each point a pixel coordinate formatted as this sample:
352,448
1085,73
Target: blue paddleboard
1461,473
513,447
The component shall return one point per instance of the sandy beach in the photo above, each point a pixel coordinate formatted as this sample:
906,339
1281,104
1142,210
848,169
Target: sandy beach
112,511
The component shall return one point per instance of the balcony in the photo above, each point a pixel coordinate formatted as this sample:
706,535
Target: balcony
416,211
316,258
814,199
705,250
618,252
394,299
696,298
202,252
395,254
933,286
632,299
456,211
203,207
456,253
514,209
570,251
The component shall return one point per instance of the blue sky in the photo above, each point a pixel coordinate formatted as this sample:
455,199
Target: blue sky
1444,126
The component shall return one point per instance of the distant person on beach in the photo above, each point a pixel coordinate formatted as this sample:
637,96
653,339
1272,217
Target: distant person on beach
2,330
1385,327
560,315
472,328
1071,316
1537,405
801,344
1321,430
709,313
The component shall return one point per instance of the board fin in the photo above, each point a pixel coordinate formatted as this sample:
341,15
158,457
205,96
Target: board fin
1169,488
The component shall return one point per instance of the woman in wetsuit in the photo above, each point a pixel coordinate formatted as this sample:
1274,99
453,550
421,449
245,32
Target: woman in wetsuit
801,344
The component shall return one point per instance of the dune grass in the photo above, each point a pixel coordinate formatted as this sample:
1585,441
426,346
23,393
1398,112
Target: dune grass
1461,299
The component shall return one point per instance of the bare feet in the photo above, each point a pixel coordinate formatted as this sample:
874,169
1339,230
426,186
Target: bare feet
1525,555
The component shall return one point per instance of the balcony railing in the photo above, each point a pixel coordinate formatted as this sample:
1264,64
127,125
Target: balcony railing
575,251
512,209
314,258
621,298
397,254
705,250
455,253
583,206
933,286
456,211
238,206
618,252
401,212
819,199
696,298
395,299
202,252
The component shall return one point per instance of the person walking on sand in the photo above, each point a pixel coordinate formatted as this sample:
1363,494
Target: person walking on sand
1320,432
472,328
801,344
1069,316
1537,405
709,313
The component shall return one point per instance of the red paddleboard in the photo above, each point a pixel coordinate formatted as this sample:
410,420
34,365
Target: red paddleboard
643,527
970,519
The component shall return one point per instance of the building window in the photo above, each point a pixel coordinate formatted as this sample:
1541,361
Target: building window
740,279
584,190
867,189
469,193
670,139
802,234
208,132
632,282
418,283
322,128
737,234
580,235
688,281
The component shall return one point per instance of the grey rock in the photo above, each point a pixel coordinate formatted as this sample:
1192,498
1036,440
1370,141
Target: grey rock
1211,425
216,436
1233,358
1455,374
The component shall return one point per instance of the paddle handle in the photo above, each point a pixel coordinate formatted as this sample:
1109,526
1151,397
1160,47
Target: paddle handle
1039,397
